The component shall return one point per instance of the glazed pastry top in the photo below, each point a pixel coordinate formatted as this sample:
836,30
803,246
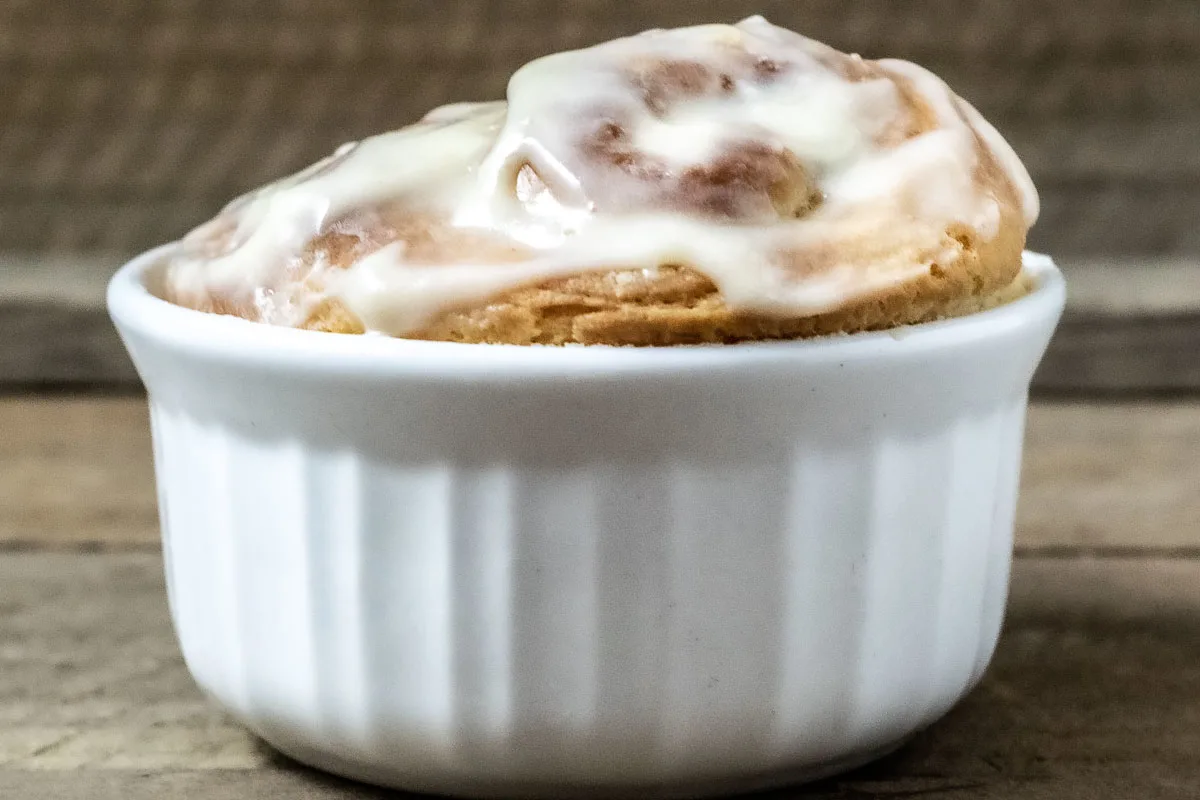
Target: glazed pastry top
796,178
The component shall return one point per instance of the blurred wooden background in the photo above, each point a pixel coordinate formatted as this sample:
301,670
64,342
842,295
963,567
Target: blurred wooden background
125,122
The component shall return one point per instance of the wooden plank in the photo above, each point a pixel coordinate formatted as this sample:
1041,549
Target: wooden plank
92,675
76,471
71,282
1132,286
1093,693
125,123
284,31
1099,219
52,344
1051,90
1132,325
1087,782
1117,150
1098,477
1140,355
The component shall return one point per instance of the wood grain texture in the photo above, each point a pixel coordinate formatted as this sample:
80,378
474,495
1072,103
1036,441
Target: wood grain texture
126,122
1132,325
49,343
1097,476
1138,354
76,471
1093,693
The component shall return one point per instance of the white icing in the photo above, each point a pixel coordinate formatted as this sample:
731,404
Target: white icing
279,219
461,164
957,114
1009,161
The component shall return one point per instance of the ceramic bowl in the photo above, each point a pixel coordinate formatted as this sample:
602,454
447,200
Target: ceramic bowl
498,570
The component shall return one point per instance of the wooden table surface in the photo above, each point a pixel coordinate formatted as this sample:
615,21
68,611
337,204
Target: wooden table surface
1094,692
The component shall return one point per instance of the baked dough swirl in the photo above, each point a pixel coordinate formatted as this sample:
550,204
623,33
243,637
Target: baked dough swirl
719,183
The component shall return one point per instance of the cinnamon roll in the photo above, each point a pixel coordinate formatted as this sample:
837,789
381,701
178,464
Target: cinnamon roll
711,184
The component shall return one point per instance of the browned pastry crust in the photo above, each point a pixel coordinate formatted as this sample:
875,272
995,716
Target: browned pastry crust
676,305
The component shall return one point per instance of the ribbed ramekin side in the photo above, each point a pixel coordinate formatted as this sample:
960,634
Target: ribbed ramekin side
644,622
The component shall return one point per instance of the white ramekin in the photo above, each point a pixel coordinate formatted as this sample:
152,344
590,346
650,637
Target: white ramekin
495,570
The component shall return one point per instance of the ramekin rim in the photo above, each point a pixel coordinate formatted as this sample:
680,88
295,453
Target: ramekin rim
134,308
